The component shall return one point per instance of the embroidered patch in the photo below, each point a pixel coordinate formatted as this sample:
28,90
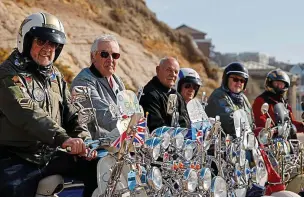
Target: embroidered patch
17,81
228,109
222,102
53,78
26,103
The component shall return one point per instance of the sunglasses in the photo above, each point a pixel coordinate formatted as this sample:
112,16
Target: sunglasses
189,85
106,55
41,43
238,80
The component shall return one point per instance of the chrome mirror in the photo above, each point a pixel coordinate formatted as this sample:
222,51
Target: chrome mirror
265,108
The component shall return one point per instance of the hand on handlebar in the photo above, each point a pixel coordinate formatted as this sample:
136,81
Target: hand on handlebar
76,144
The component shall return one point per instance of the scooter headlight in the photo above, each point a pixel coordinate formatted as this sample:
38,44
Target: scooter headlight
218,187
190,180
242,157
247,171
179,141
155,179
188,153
156,152
205,178
261,173
166,140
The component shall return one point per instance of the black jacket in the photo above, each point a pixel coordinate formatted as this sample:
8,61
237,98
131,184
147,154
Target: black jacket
154,101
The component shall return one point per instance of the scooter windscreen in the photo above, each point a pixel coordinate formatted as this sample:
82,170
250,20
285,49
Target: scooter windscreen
281,113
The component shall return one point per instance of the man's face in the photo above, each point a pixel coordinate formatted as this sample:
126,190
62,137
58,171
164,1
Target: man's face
188,91
278,84
236,83
106,58
43,51
167,73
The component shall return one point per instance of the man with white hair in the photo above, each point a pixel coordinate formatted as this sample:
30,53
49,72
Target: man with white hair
102,81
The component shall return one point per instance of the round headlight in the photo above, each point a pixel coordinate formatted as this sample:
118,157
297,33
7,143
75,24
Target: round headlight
155,179
237,173
156,152
247,171
205,178
207,139
263,137
188,153
242,157
179,141
261,173
166,140
241,192
190,180
218,187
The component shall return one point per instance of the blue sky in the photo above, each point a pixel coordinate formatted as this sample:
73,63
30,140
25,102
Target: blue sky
273,27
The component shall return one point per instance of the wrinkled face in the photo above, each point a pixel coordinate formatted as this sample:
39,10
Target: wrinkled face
236,83
43,51
106,58
278,84
188,91
167,73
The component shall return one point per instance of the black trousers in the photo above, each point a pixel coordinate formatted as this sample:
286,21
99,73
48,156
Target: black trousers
20,178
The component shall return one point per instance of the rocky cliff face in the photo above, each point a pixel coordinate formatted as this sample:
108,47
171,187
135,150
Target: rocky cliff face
143,39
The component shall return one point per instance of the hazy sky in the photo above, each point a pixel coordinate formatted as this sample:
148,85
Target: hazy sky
273,27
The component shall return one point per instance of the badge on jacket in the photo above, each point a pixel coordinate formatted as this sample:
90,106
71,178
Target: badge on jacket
38,94
228,109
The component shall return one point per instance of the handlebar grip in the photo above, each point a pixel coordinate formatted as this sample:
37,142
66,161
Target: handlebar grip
68,149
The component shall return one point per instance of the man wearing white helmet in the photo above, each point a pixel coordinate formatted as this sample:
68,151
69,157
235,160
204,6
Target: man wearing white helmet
36,113
188,83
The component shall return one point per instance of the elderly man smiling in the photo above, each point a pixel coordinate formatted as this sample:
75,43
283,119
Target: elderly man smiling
102,81
156,94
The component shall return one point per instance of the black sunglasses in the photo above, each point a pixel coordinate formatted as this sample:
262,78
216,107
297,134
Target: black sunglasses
41,42
189,85
106,55
238,80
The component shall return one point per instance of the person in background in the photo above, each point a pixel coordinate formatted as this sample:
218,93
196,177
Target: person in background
276,86
230,97
188,83
156,93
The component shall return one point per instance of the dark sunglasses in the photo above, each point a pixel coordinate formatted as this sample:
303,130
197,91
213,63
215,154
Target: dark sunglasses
41,42
106,55
189,85
238,80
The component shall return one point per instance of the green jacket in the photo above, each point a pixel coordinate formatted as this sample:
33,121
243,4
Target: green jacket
35,112
220,103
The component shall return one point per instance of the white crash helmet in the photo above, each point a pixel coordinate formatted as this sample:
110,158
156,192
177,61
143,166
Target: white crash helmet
187,75
43,26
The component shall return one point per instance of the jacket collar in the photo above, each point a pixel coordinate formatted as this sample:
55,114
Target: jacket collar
104,81
159,85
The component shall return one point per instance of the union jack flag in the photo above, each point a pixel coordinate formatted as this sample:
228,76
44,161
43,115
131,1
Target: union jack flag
141,131
118,142
139,136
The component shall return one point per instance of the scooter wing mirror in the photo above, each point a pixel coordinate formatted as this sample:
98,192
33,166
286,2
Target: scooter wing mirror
86,115
268,123
204,99
114,110
302,106
171,104
80,94
140,92
264,108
